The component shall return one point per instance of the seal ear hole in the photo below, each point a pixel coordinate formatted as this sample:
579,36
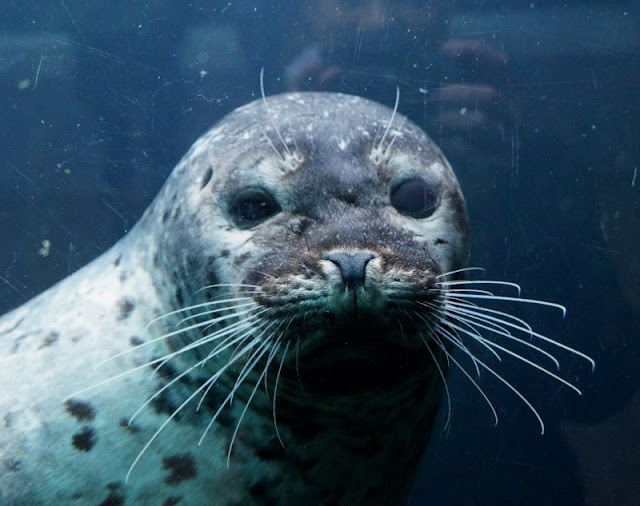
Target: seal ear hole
206,178
415,197
252,206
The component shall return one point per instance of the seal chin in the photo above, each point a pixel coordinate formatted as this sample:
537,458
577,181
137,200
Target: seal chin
359,360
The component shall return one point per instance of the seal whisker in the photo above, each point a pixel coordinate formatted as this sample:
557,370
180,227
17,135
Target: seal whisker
227,285
463,304
452,334
470,378
526,329
505,382
436,339
263,322
236,314
272,120
275,392
160,360
251,360
449,284
175,413
464,291
395,136
457,312
276,346
223,345
197,306
218,310
246,369
393,115
464,294
464,315
266,386
379,152
474,319
182,375
240,346
493,344
461,271
181,331
441,315
112,378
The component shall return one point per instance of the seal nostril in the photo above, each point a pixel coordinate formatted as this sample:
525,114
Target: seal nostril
352,266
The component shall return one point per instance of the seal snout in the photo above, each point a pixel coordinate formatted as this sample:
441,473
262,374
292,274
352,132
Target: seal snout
352,267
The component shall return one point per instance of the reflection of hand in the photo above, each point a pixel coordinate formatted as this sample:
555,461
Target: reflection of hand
308,72
471,113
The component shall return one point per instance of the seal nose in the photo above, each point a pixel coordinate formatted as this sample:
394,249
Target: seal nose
352,266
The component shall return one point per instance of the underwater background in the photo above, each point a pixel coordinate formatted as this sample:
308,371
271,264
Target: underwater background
536,105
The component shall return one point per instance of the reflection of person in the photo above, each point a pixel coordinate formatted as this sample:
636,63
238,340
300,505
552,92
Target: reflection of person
529,216
368,47
454,87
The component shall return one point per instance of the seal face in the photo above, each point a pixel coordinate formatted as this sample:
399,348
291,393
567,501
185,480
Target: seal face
274,330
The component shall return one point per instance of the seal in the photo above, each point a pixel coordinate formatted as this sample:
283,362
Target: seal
276,329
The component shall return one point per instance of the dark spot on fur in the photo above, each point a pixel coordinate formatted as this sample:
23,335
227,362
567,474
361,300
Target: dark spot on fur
441,241
301,226
176,213
163,404
116,495
172,500
132,428
12,465
136,341
17,342
167,371
181,467
192,261
80,410
165,216
84,440
225,253
156,259
123,276
51,338
212,279
241,259
117,262
125,307
214,399
179,296
206,178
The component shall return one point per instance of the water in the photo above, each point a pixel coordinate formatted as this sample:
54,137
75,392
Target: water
535,105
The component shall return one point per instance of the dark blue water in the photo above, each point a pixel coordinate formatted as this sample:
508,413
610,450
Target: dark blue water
535,104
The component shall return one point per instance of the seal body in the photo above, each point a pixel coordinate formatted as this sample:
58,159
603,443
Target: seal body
264,334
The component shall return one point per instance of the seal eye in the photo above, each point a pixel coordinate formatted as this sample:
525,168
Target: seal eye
252,206
415,197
